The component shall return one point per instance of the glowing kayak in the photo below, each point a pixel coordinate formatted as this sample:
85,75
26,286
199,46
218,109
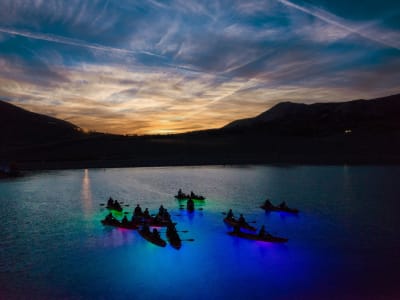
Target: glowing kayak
255,237
233,222
116,223
117,208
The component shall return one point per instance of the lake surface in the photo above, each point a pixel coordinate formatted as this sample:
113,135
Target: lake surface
344,244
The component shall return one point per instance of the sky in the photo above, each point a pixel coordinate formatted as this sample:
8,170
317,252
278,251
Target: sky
157,67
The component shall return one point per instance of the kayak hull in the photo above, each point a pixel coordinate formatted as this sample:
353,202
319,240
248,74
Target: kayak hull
233,222
152,239
256,237
174,241
116,223
280,209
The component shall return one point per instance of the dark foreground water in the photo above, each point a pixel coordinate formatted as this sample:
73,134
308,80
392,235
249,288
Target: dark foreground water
343,245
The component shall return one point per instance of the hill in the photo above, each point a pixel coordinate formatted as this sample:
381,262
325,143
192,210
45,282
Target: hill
19,127
354,132
320,119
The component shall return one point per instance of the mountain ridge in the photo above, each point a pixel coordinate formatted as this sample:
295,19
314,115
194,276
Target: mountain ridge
323,115
355,132
22,127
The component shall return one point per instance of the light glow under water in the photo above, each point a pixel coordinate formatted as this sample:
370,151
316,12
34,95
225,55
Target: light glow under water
343,244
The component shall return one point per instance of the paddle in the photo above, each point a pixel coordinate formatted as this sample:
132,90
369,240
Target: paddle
184,231
188,240
102,204
126,204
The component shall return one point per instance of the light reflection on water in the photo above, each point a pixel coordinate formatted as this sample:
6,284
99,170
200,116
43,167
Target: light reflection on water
344,243
86,193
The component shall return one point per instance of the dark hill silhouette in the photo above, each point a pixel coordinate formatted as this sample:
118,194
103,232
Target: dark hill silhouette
287,133
324,118
19,127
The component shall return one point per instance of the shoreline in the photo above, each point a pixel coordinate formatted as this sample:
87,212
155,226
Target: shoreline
68,165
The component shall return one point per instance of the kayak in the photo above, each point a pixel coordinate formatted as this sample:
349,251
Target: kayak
255,237
157,222
116,223
153,239
278,208
174,240
114,207
233,222
194,197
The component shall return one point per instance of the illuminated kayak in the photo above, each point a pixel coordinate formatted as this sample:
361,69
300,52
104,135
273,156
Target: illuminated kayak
255,237
156,240
233,222
279,208
117,208
116,223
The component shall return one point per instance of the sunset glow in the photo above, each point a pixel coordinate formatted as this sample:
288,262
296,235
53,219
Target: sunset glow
156,67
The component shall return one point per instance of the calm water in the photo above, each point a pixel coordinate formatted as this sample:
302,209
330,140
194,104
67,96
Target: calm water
344,244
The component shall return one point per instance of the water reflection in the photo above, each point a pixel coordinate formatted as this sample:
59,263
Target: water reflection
86,193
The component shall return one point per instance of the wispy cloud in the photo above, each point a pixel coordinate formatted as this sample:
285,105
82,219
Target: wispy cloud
73,42
170,66
342,24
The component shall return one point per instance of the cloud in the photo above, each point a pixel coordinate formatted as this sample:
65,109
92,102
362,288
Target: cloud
336,21
170,66
73,42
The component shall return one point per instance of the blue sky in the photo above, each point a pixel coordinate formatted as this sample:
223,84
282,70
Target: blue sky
172,66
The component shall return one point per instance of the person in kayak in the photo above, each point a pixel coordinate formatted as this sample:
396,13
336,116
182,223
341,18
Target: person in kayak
146,228
138,210
262,231
161,210
110,202
109,217
171,228
229,215
156,234
190,204
125,220
117,205
146,213
283,205
268,203
166,216
241,220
